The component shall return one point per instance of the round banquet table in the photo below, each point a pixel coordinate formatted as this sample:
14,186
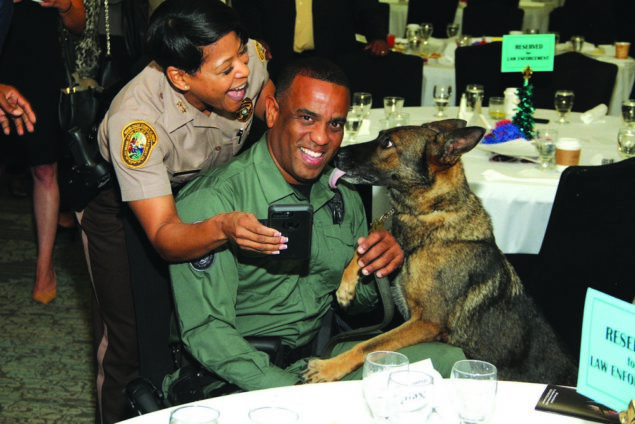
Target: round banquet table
343,403
517,195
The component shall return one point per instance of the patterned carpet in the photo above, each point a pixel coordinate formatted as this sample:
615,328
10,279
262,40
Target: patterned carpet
46,368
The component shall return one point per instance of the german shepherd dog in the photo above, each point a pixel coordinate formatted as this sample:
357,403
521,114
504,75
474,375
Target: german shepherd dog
457,285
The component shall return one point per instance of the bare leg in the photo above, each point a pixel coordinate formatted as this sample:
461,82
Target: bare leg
46,202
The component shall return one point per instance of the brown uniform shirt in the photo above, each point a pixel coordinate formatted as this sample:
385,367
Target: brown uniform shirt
156,140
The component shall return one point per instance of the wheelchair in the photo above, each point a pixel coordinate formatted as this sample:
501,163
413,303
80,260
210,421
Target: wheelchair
144,396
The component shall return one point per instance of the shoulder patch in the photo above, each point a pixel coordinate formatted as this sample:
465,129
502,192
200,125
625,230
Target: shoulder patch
260,49
139,138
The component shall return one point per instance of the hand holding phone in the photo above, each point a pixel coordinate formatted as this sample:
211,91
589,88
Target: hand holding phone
296,223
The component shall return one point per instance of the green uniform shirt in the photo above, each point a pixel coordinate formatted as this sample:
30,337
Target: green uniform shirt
238,293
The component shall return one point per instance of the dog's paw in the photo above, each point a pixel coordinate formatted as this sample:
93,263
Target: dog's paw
321,371
345,294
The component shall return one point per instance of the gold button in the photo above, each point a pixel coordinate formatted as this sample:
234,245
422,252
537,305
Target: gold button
217,148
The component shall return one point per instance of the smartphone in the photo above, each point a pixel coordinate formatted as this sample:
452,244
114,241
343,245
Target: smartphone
296,223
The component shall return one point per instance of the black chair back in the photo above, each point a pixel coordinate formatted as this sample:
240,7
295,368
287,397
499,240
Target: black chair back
589,242
393,75
438,12
591,80
596,20
481,65
492,20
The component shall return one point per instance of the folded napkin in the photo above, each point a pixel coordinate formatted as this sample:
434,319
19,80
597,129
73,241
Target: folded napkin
595,114
365,128
491,175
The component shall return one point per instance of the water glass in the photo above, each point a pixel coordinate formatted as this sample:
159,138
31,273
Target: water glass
545,143
496,108
452,30
194,414
426,31
354,121
393,105
441,96
410,396
626,142
577,42
474,92
363,101
464,41
563,103
628,112
474,383
273,415
377,368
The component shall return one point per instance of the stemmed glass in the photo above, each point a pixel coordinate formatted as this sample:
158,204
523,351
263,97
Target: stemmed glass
426,32
626,142
377,368
363,101
441,96
563,101
452,30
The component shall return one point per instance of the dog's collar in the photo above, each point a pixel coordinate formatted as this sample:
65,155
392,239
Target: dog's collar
379,222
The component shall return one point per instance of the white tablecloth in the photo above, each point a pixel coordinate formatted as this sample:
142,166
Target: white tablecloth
343,403
517,196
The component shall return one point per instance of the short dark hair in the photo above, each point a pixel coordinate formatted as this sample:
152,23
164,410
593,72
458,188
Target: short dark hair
179,29
314,67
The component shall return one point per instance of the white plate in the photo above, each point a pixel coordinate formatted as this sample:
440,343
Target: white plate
515,148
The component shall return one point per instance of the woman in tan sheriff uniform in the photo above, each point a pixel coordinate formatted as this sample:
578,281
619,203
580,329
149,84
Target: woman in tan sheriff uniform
189,110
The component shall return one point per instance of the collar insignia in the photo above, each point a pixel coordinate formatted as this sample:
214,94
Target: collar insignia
245,111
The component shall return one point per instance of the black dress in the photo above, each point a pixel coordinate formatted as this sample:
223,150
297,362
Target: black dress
31,61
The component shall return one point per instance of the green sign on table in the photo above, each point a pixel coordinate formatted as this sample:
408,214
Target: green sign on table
535,51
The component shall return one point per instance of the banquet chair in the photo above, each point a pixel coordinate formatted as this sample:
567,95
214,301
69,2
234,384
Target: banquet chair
480,64
438,12
395,74
591,80
589,242
596,20
491,20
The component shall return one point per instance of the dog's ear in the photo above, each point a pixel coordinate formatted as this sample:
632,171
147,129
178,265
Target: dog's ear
447,124
458,142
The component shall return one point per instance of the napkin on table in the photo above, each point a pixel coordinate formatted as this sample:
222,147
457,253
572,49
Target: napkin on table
594,114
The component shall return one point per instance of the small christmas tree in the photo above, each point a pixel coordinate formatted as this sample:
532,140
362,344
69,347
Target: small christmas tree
524,118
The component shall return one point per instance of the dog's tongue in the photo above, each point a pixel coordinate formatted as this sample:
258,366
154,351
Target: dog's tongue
335,175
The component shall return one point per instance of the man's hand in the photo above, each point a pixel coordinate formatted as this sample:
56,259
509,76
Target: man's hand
378,47
13,106
379,253
249,234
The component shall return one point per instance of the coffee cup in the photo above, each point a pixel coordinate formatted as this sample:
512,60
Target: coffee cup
567,152
621,49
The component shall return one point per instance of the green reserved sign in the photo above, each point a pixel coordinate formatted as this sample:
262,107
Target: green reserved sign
535,51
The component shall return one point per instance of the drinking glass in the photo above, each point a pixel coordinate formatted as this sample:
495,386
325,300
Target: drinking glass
410,396
194,414
354,121
474,383
377,368
414,37
473,92
364,101
545,144
393,105
626,142
496,108
441,96
563,101
273,415
426,32
464,41
628,112
577,42
452,30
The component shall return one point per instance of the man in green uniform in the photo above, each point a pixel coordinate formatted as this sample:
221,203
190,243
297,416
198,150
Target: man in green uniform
231,294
